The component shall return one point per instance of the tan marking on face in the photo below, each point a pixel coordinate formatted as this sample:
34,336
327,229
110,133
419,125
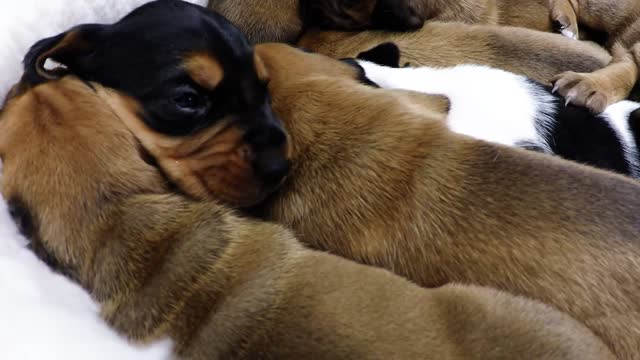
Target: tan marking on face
204,70
214,163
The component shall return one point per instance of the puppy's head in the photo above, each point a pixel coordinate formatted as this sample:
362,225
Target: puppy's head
66,158
199,91
396,15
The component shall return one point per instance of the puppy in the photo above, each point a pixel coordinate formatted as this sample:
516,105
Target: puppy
218,285
531,117
378,178
263,20
210,83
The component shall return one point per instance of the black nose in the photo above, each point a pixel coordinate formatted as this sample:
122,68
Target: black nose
268,143
266,136
272,169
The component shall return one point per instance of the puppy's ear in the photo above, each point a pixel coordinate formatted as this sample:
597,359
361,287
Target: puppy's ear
66,49
386,54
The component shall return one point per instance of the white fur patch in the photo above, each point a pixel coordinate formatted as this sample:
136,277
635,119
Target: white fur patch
486,103
617,115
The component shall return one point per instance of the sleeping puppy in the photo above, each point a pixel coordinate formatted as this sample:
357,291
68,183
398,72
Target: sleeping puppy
378,178
530,116
199,82
219,285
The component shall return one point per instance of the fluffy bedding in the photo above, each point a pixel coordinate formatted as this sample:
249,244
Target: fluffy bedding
43,315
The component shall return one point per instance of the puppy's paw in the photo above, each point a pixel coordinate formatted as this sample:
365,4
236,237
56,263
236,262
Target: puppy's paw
582,90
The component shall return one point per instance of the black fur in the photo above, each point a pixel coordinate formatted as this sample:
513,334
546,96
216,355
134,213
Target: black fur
386,54
362,77
396,16
634,127
28,226
144,56
581,136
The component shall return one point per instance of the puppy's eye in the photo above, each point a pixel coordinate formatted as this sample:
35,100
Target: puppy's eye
188,100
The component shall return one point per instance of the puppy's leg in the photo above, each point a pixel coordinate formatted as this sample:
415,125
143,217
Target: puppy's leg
603,87
564,17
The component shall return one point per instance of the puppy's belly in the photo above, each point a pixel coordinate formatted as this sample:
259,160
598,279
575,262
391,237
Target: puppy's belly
502,107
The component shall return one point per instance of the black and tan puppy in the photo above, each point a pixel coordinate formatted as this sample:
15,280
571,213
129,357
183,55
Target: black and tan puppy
210,81
221,286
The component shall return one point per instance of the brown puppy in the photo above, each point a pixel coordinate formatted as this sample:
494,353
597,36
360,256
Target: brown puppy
378,178
219,285
537,55
263,20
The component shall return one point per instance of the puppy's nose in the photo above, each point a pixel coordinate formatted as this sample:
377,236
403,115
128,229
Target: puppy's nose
272,169
266,136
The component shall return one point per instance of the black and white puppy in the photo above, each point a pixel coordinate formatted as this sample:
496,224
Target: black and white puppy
502,107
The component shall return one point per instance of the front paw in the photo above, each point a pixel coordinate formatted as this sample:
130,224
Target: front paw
583,90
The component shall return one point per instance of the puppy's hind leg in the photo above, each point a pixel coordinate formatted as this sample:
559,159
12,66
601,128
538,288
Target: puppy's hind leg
601,88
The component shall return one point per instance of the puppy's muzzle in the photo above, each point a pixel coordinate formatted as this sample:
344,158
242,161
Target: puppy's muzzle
268,141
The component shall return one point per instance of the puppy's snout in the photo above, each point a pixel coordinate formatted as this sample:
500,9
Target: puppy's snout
269,144
266,136
272,167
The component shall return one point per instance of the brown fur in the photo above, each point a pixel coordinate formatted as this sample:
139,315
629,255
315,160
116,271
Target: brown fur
263,20
540,56
222,286
378,178
595,90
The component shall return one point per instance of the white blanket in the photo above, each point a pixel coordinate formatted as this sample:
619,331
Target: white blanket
44,315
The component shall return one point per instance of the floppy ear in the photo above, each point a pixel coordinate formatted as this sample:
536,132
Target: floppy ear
386,54
66,49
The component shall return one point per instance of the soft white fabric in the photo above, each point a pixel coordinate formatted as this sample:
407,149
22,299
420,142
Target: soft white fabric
43,315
